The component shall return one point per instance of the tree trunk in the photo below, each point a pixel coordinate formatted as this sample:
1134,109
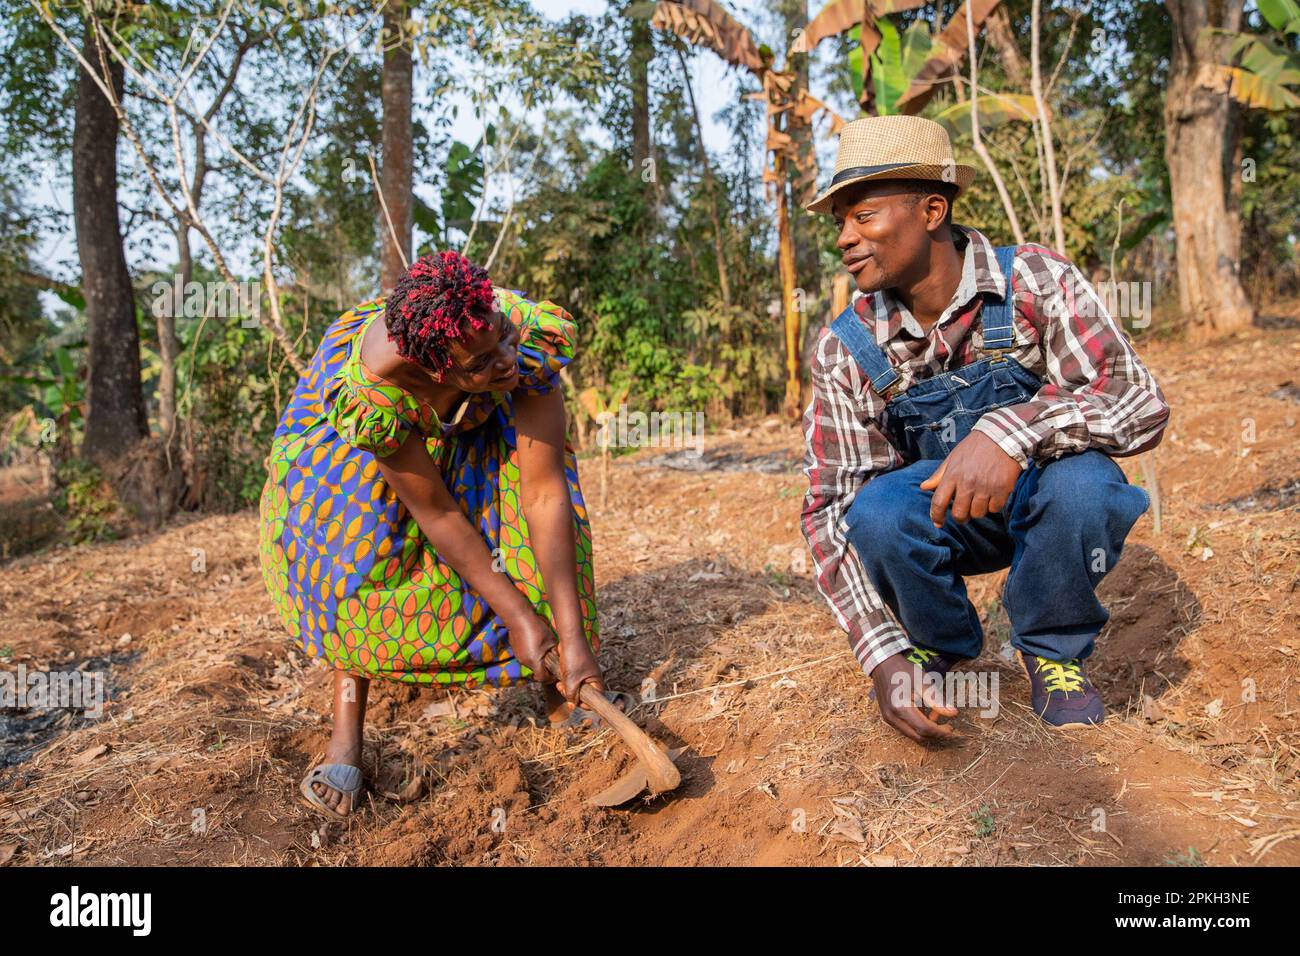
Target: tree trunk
1199,148
710,185
1000,33
790,312
115,416
642,48
803,175
396,182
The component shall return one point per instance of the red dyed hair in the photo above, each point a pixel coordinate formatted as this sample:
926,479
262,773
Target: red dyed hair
437,301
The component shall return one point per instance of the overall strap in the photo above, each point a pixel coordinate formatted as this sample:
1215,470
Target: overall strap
848,328
996,317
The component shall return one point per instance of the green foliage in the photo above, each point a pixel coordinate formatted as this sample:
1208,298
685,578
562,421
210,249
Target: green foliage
1260,71
632,258
232,389
23,324
894,63
55,390
736,345
463,186
1281,15
1270,265
994,110
89,507
591,239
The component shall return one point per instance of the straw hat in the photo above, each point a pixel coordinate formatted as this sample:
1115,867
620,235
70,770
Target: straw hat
892,147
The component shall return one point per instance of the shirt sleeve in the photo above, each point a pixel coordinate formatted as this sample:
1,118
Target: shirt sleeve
844,448
547,337
376,416
1096,393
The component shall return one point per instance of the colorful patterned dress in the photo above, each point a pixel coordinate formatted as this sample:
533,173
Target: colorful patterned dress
353,578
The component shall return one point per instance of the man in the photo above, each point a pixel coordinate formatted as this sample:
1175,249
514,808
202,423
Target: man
965,411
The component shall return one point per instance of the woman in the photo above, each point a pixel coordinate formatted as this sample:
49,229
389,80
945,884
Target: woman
422,519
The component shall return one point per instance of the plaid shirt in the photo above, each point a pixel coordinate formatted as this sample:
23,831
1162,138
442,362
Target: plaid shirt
1096,393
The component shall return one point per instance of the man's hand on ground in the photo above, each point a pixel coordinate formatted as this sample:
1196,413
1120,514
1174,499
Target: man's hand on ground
976,478
903,696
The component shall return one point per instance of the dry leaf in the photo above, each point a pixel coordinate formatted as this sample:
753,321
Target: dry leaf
1152,710
705,23
440,708
86,756
948,50
850,828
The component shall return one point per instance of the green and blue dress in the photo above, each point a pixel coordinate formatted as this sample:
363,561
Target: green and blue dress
353,578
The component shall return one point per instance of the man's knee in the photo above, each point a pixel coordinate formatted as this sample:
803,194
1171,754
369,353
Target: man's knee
1088,493
890,508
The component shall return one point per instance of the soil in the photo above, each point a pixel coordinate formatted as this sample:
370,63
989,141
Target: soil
707,602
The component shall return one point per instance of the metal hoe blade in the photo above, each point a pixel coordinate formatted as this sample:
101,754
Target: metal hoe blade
629,786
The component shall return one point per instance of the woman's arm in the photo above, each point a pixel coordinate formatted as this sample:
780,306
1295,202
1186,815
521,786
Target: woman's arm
548,509
415,477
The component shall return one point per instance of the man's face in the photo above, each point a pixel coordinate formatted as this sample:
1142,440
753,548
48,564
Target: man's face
884,233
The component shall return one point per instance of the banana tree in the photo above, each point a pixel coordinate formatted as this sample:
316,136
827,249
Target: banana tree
862,20
900,57
894,73
1260,73
706,24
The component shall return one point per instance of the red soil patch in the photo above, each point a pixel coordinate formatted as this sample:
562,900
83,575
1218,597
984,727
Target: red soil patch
704,591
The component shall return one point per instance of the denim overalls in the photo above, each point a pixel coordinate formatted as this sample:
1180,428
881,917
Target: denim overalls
1060,532
930,418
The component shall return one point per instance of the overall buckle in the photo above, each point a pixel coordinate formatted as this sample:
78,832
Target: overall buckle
893,390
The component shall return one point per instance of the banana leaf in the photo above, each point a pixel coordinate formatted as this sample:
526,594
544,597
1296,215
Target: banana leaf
842,15
705,23
949,49
1281,15
995,109
1259,73
898,60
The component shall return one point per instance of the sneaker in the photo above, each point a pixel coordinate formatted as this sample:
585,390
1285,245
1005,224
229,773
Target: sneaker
1062,695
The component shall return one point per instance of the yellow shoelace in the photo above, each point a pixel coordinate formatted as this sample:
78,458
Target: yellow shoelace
1062,676
920,657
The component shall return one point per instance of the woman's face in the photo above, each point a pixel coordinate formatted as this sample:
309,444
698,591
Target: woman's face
486,359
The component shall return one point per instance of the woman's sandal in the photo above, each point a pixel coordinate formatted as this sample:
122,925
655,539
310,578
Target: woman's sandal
341,777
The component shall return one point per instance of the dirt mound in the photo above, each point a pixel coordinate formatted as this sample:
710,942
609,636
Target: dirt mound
1151,610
